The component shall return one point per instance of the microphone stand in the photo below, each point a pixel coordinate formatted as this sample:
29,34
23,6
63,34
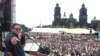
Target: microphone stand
36,44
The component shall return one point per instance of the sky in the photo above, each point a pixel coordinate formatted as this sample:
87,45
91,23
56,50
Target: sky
41,12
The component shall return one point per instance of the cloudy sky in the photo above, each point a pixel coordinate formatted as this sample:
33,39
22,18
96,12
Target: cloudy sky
41,12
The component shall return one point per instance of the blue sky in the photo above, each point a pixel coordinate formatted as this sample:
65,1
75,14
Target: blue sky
36,12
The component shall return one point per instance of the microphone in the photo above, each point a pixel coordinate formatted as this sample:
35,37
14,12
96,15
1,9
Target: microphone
42,49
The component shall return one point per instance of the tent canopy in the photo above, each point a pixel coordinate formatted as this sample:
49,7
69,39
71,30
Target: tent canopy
67,30
79,31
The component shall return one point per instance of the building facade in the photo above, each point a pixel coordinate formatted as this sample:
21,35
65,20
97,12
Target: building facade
71,22
95,24
63,22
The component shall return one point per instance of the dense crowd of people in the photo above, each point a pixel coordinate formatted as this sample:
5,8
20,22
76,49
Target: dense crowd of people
69,44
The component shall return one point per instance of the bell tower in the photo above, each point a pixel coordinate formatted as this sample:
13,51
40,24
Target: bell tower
83,16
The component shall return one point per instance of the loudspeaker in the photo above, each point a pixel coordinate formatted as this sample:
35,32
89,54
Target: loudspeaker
7,11
6,16
44,50
6,26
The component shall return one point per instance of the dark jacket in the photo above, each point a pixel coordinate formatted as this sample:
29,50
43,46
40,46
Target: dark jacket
16,50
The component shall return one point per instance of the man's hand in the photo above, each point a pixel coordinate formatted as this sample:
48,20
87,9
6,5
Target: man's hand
8,54
14,40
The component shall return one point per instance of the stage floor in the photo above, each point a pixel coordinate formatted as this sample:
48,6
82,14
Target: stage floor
2,54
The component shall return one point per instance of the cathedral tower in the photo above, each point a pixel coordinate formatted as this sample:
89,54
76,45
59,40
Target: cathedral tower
83,16
57,15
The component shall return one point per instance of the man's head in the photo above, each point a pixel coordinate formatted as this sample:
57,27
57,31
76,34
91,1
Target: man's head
15,28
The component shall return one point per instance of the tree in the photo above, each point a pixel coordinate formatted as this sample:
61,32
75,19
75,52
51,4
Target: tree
25,29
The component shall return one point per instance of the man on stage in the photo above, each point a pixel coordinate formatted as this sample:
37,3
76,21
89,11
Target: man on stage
13,43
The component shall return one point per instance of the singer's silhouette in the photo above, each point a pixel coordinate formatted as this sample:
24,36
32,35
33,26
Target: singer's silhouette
12,42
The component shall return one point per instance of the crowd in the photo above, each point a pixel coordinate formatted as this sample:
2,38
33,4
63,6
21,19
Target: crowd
69,44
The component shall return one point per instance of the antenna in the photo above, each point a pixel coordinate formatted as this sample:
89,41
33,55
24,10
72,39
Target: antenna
40,23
